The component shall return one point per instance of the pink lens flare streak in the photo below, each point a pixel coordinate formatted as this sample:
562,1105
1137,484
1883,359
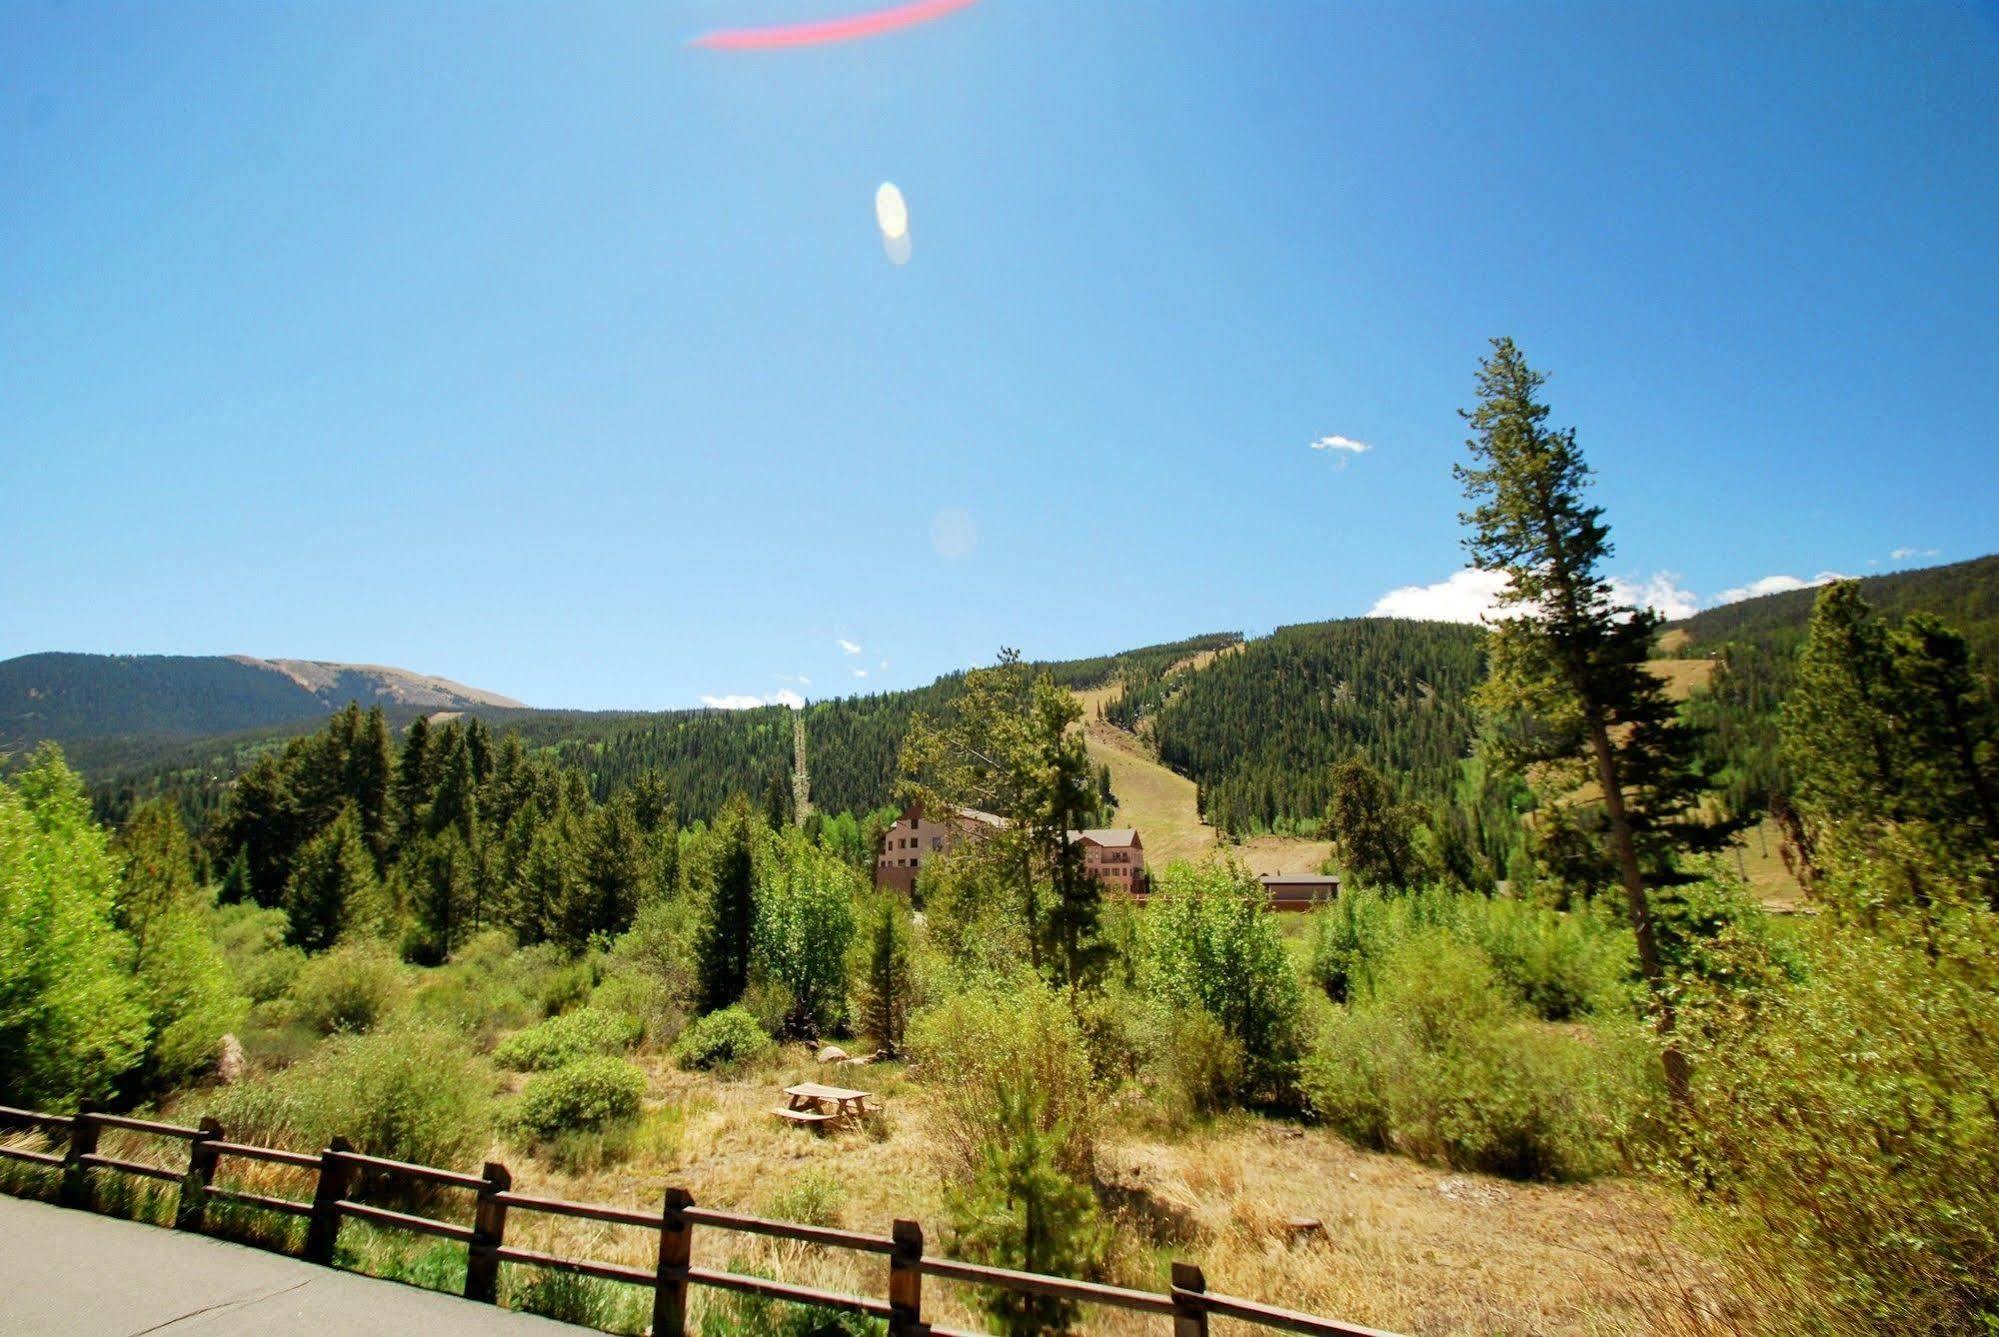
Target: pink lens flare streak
850,28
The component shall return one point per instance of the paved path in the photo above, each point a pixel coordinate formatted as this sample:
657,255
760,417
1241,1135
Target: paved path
71,1272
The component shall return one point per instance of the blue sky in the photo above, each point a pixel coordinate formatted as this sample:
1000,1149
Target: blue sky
531,346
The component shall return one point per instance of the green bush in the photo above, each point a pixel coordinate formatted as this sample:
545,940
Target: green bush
1439,1060
981,1046
804,928
564,1039
587,1095
252,940
70,1020
1019,1209
1844,1143
348,989
1561,964
725,1039
1212,944
411,1095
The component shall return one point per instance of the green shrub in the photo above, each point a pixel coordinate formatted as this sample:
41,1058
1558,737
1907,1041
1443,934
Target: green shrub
564,1039
1440,1061
1561,964
348,989
1845,1139
725,1039
1212,944
588,1094
409,1095
70,1020
1020,1209
252,940
981,1046
804,928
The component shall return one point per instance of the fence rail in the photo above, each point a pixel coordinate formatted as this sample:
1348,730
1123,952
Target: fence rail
338,1169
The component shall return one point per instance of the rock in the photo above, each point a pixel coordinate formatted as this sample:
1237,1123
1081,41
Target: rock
832,1054
230,1063
1459,1188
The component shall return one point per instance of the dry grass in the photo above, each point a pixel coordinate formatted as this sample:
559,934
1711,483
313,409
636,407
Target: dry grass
1683,677
1399,1245
1402,1246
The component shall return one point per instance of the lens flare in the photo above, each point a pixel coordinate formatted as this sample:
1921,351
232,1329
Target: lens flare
891,212
844,29
892,217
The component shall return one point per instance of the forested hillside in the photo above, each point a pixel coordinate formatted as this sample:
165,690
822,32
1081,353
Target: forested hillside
1756,643
141,699
702,757
1260,730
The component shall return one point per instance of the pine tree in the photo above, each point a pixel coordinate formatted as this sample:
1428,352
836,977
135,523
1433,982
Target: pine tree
334,872
1568,678
442,881
413,779
1374,830
620,864
1892,732
727,935
1008,747
370,774
888,984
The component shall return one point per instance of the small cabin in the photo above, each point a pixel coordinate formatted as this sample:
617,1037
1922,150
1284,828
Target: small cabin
1299,891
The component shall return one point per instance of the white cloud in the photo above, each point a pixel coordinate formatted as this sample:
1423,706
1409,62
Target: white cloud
1777,584
860,673
1466,596
883,664
1904,554
847,646
1663,594
744,701
1344,447
1472,595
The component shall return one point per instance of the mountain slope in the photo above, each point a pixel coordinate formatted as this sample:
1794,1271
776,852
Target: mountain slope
1755,645
75,697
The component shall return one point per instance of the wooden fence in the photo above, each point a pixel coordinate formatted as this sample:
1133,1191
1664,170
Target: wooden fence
1189,1303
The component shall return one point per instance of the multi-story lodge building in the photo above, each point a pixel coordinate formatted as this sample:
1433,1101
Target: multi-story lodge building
1115,856
916,837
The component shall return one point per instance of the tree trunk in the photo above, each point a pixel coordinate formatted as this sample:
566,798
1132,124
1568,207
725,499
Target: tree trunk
1625,845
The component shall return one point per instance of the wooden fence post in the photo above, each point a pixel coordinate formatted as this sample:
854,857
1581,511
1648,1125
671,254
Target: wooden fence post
322,1228
489,1232
676,1252
1190,1309
83,1131
192,1209
905,1281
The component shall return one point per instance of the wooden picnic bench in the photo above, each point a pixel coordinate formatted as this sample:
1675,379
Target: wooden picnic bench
818,1105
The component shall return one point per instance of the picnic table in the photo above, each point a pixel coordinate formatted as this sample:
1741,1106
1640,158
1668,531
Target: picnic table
818,1105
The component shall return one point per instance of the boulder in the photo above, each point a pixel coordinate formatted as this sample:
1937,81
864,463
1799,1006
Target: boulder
832,1054
230,1063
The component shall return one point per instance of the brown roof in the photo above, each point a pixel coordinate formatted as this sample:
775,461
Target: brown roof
1299,879
1112,837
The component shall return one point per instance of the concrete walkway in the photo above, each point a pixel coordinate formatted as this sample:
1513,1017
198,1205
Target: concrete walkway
71,1272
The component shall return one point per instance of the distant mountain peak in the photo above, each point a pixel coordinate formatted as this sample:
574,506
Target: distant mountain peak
324,678
73,697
